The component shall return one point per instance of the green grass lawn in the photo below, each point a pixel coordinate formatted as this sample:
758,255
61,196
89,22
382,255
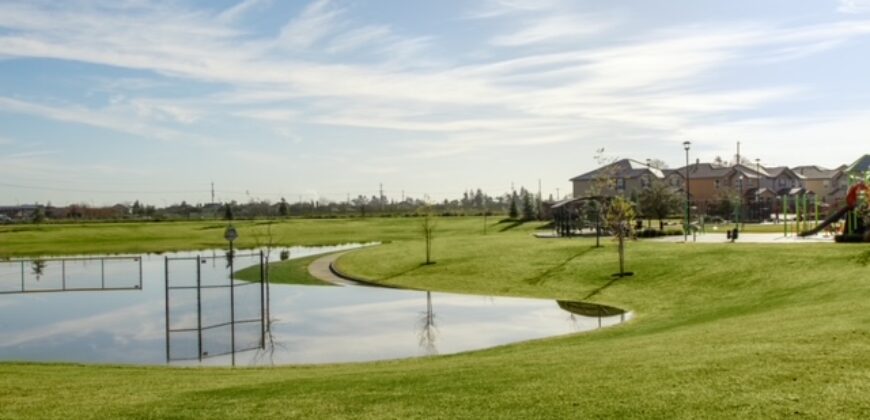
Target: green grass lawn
293,271
82,238
720,331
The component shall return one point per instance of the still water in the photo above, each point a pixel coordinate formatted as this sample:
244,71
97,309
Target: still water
116,311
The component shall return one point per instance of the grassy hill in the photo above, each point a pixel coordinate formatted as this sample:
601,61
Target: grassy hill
720,331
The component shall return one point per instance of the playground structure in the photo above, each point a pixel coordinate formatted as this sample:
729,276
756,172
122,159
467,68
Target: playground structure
855,213
574,216
855,228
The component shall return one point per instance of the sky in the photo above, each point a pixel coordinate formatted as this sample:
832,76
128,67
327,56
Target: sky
114,101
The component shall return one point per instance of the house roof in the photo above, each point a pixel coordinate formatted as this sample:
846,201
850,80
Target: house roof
763,191
860,165
705,170
779,170
626,168
793,191
751,172
815,172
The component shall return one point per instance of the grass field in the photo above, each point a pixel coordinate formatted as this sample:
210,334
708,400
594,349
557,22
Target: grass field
80,238
720,331
293,271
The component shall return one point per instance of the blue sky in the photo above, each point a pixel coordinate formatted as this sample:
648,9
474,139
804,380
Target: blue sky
102,102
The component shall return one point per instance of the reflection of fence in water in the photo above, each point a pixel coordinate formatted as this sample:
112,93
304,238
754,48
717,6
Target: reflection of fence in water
70,274
208,312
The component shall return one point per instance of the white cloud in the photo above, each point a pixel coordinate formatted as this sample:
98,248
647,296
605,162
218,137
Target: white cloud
359,37
498,8
853,6
241,8
563,29
106,119
317,21
552,92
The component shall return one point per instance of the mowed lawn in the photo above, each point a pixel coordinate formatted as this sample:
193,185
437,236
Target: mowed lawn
90,238
723,331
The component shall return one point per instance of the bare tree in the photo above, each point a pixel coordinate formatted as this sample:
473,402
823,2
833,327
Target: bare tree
603,185
428,330
427,225
658,164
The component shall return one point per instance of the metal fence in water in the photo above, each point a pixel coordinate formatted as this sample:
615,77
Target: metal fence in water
209,312
70,274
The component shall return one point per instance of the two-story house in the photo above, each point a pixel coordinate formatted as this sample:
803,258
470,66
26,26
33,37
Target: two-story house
628,175
822,182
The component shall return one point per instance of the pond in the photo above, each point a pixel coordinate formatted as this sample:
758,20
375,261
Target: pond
115,310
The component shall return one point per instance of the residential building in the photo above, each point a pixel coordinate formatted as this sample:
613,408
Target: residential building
713,187
824,183
630,176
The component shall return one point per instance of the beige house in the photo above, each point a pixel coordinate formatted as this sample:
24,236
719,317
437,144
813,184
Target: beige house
630,177
827,184
709,184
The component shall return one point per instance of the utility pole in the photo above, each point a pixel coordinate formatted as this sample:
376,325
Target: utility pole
212,192
540,201
381,191
738,154
558,197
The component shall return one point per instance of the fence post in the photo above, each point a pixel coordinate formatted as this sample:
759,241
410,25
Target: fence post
232,310
262,302
198,308
166,276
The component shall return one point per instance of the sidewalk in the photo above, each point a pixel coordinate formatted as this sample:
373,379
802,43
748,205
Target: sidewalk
748,238
320,268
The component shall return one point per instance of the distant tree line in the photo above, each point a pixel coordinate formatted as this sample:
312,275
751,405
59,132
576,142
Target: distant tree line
520,204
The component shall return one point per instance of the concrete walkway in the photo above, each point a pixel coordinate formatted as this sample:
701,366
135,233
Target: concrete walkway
320,269
748,238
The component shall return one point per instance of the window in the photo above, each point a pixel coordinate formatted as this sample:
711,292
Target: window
716,183
644,181
620,184
826,183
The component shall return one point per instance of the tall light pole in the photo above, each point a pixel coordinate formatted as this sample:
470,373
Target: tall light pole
758,190
686,146
739,200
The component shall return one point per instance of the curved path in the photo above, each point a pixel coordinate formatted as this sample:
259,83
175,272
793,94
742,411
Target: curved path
320,268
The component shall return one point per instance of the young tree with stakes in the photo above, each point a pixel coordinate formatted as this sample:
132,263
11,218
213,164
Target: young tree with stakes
427,227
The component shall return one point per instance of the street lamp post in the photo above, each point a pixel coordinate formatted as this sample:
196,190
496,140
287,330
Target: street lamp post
758,190
739,201
686,146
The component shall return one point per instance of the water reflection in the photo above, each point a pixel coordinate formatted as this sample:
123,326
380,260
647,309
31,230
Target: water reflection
43,275
428,330
302,324
38,267
208,312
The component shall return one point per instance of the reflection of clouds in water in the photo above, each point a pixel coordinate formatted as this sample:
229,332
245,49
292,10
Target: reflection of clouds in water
313,324
141,321
9,303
